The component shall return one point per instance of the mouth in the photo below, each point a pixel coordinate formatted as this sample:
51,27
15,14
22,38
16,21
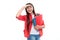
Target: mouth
29,11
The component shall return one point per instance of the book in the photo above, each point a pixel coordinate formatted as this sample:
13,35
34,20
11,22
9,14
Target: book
37,20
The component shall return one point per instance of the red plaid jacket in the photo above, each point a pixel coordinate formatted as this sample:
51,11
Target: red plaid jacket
24,18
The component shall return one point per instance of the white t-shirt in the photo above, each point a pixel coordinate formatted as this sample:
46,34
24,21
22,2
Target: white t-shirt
33,31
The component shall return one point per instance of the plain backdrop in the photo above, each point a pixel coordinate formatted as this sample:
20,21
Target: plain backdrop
12,28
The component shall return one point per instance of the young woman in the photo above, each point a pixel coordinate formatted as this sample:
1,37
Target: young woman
30,31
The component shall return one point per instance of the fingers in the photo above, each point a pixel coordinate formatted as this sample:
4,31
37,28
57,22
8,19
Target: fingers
27,6
36,27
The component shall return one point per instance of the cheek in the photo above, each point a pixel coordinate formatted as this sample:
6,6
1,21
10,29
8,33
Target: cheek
31,9
27,10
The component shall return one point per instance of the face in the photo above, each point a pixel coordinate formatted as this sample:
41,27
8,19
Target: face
30,9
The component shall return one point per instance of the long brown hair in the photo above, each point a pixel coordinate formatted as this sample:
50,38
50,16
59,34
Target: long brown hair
28,19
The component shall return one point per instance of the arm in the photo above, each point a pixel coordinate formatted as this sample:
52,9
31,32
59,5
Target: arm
42,26
19,16
20,11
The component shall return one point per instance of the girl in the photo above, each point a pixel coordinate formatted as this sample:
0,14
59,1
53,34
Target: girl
30,31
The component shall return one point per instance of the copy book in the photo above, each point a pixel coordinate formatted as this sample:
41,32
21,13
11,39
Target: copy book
38,20
34,21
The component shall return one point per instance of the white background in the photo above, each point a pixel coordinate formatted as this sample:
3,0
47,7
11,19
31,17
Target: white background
12,29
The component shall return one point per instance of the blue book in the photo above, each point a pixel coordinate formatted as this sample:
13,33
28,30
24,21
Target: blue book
34,21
